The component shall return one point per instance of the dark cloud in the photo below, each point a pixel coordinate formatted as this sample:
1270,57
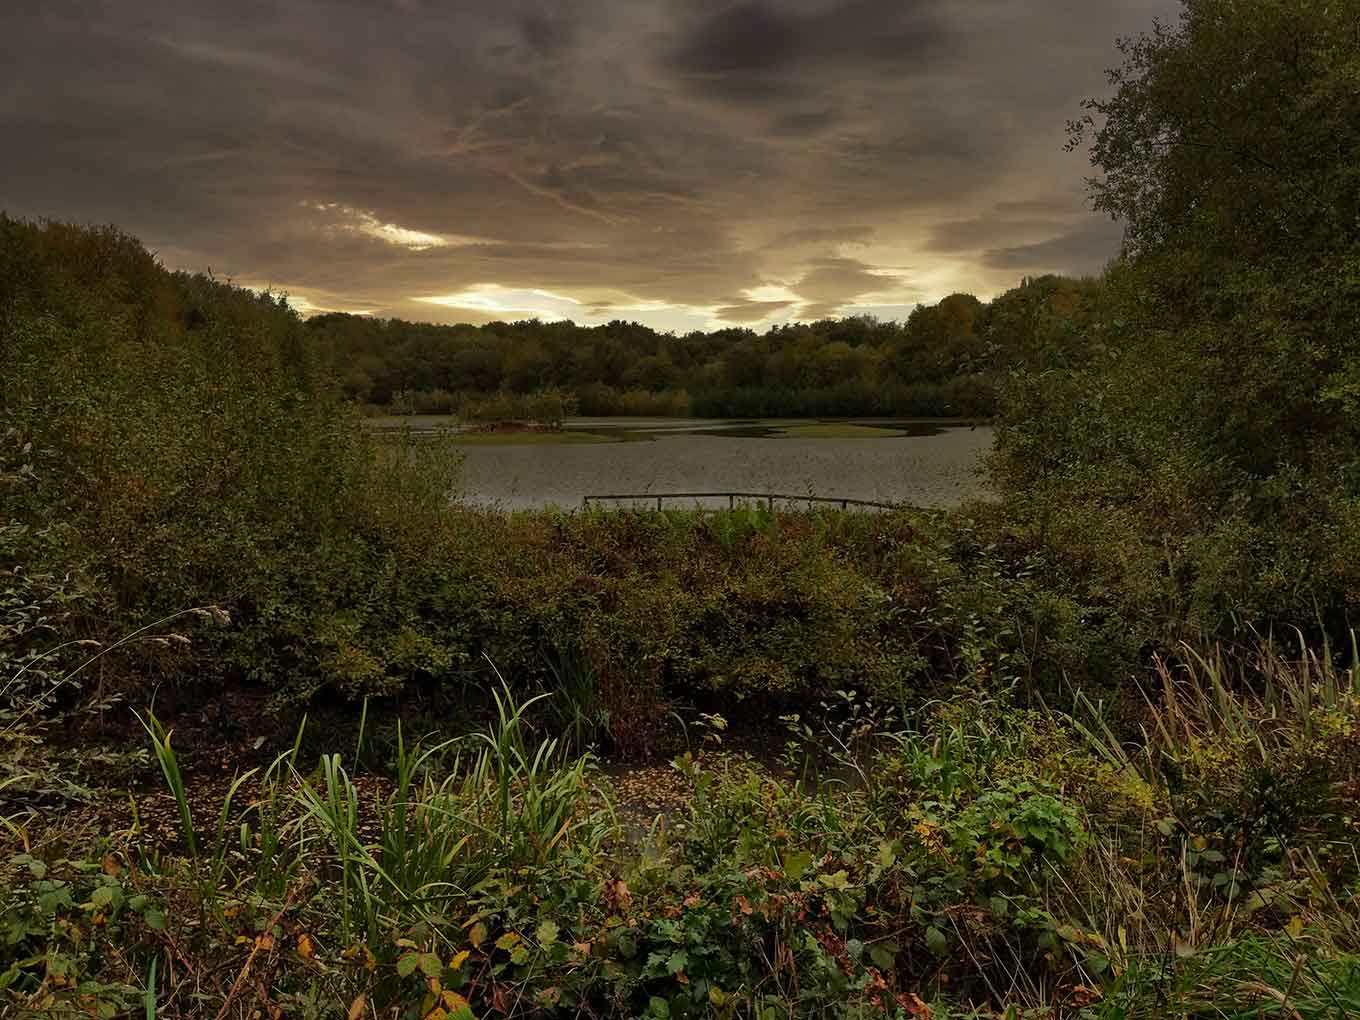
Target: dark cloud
1014,225
752,311
743,37
831,283
822,235
807,123
1035,207
1082,250
641,158
549,32
762,37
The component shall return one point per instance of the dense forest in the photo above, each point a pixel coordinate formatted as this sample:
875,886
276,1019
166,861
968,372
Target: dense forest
285,732
944,361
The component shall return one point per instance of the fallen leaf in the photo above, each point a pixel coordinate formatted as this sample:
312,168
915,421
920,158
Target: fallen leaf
916,1007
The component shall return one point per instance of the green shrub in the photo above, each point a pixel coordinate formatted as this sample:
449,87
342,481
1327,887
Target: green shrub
191,451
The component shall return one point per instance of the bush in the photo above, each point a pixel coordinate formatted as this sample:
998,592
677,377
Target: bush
547,407
193,452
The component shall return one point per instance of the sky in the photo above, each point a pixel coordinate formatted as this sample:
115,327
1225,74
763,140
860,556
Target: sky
684,163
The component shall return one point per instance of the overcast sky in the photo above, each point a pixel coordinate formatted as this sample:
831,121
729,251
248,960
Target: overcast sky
686,163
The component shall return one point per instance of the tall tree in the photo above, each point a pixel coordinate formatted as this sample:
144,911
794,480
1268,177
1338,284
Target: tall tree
1220,406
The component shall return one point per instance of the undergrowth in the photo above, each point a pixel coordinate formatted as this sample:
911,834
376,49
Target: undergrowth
984,861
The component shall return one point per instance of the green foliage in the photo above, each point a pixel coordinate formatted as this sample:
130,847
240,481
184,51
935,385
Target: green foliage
170,441
546,407
1199,456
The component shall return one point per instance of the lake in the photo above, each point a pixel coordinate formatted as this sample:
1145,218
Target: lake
921,463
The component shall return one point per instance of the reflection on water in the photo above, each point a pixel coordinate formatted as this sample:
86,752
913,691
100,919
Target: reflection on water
913,462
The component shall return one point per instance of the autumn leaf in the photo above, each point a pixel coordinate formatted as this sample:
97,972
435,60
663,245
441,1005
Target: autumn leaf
357,1007
458,1007
916,1007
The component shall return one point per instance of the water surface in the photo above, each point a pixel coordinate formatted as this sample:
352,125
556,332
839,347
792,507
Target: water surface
921,463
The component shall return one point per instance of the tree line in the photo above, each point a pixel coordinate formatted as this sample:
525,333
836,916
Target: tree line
944,360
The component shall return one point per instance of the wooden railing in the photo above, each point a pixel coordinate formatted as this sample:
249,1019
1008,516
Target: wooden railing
769,498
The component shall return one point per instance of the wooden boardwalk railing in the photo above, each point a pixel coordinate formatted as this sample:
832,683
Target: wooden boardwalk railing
769,498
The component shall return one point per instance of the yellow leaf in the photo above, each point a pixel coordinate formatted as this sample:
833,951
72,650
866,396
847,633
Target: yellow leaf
357,1007
478,935
507,941
265,941
305,948
459,959
459,1008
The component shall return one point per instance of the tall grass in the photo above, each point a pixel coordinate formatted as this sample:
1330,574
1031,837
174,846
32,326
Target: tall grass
578,712
1240,762
1267,700
458,809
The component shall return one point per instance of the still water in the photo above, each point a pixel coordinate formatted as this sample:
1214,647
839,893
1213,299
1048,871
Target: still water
927,464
